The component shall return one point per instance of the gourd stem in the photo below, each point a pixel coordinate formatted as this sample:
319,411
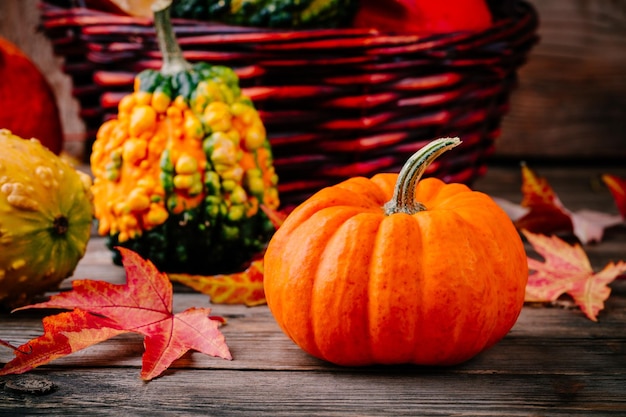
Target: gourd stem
173,60
403,200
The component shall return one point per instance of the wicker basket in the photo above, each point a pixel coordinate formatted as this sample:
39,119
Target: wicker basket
336,103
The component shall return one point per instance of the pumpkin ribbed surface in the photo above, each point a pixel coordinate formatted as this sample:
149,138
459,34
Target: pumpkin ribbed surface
353,285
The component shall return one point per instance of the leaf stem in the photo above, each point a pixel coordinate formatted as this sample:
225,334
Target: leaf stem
16,349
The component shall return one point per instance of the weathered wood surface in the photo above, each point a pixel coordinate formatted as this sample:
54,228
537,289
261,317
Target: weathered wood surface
554,362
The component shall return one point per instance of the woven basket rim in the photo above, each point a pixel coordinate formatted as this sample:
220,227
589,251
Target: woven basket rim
59,15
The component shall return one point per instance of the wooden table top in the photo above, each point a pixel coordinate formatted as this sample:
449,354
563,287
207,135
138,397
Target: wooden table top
554,361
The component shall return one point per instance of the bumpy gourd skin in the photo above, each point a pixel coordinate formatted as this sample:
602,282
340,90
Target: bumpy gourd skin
46,216
182,172
270,13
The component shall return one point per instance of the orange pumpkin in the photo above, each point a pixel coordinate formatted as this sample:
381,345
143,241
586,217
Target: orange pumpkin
393,270
28,103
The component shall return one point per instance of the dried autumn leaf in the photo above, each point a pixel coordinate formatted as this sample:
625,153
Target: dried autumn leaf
239,288
541,211
617,187
566,270
64,333
142,305
546,212
589,225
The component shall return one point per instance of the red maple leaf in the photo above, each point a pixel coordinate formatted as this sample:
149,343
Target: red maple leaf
102,310
63,334
546,212
244,287
566,270
541,211
617,187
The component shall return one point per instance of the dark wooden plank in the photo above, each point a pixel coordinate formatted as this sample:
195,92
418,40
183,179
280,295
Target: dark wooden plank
545,339
381,392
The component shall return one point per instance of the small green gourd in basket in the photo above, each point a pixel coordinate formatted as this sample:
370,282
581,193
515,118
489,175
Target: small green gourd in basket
295,14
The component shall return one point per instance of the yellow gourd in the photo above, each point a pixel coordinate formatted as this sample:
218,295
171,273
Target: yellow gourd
46,215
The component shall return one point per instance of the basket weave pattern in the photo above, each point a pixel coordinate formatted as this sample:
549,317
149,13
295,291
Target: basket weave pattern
336,102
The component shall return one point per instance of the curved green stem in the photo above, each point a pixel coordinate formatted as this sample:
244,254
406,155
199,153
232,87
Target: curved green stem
403,200
173,61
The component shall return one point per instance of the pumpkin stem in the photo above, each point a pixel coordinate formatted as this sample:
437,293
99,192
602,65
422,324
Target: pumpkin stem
173,60
403,200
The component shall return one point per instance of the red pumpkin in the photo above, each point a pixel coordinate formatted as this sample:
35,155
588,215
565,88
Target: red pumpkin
424,16
374,272
29,107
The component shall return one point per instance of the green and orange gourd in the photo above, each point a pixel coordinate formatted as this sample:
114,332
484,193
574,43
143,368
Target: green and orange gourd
394,269
181,174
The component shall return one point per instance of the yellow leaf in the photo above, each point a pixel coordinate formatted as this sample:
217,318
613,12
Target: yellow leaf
238,288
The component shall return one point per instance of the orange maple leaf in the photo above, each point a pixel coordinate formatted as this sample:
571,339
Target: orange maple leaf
102,310
617,187
541,211
239,288
566,270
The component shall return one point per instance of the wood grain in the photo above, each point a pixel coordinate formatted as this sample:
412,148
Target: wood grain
382,392
545,337
371,393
